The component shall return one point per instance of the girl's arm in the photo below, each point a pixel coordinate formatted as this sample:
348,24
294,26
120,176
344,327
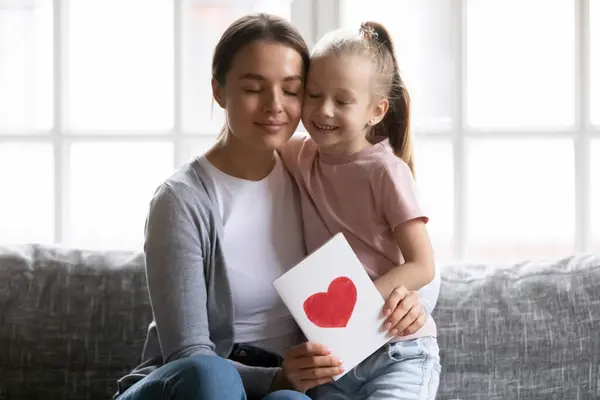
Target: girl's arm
418,269
395,187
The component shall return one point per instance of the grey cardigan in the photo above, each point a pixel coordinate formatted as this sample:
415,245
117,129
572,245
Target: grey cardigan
187,280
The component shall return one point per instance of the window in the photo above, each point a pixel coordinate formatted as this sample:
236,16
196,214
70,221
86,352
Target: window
436,187
96,110
594,46
594,26
26,66
595,179
94,114
506,119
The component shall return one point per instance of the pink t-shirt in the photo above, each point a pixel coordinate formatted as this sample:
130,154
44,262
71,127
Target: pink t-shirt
364,196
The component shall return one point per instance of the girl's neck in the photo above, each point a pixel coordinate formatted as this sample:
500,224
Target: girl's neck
346,148
238,159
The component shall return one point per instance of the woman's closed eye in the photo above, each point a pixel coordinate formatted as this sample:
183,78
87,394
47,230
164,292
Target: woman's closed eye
256,90
252,90
292,92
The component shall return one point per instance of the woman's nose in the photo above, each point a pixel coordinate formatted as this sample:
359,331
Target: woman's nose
272,103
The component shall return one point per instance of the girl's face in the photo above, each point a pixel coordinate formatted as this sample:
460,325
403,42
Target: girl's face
339,105
262,95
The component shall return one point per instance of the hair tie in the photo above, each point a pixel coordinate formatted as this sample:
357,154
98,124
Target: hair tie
368,31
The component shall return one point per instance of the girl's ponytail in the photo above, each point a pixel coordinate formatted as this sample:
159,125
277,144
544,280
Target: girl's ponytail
396,123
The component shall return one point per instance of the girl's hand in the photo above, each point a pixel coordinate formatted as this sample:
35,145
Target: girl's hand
405,315
306,366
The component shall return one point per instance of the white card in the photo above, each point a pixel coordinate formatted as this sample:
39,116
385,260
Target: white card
319,293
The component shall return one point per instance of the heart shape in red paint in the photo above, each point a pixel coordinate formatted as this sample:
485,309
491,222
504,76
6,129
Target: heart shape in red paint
332,309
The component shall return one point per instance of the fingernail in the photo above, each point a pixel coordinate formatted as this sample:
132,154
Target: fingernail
341,369
340,362
387,312
394,332
387,326
329,351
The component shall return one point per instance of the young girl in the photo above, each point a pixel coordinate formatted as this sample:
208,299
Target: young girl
355,176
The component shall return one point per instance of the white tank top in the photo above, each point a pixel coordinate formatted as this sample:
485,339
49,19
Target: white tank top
262,240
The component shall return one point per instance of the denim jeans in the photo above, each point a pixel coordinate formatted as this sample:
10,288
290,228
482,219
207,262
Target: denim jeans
408,370
197,378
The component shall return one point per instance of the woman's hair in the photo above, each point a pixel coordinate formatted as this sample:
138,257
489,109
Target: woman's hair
251,28
373,41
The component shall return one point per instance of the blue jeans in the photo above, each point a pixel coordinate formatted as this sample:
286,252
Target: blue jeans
408,370
197,378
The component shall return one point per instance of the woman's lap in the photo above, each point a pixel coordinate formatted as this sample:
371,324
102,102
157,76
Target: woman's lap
198,377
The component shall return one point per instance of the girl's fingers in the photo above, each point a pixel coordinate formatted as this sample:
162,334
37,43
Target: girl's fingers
412,321
394,298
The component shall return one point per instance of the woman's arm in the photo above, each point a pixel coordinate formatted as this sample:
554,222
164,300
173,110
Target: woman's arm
175,274
177,287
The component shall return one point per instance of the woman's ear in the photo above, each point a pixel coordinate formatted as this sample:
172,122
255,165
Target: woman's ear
381,108
217,91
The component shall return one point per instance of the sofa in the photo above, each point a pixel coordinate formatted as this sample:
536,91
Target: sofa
73,321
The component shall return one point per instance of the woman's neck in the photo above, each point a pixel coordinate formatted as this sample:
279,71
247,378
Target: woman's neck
238,159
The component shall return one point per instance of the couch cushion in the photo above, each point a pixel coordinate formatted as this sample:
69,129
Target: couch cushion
528,331
71,322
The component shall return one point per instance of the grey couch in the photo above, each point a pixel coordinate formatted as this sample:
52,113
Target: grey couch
72,322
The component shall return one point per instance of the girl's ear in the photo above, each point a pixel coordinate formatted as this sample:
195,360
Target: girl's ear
218,94
381,108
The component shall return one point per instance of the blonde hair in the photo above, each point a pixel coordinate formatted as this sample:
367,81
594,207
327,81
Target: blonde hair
372,40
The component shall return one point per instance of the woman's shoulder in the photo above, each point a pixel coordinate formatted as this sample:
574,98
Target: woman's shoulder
189,186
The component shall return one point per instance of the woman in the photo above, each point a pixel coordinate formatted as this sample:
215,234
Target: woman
222,228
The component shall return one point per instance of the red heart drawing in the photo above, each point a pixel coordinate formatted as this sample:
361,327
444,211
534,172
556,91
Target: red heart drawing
332,309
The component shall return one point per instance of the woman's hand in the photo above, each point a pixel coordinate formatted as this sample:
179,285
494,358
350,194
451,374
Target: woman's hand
405,315
306,366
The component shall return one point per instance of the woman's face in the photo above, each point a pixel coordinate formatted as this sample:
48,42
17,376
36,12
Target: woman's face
263,93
